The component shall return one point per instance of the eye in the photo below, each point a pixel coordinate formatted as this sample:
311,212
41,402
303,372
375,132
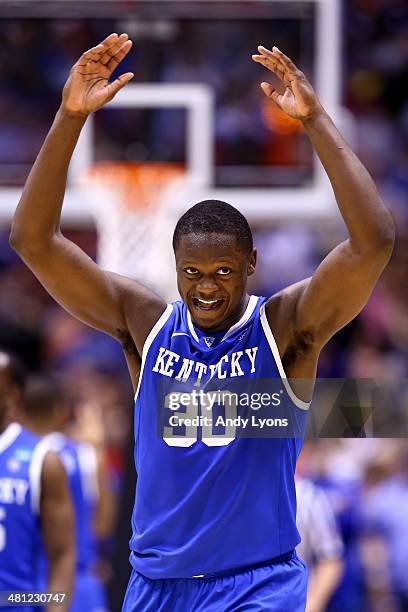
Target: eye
224,271
191,271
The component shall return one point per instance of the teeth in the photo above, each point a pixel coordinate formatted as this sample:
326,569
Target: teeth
207,302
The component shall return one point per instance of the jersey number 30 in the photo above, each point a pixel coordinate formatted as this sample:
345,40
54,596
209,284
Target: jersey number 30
184,420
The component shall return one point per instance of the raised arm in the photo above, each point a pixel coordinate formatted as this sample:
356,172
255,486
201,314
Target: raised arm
343,282
100,299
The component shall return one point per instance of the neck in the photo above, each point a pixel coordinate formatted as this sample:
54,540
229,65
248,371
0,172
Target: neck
39,427
3,426
5,419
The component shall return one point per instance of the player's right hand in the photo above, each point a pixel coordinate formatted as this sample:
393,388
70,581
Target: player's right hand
87,88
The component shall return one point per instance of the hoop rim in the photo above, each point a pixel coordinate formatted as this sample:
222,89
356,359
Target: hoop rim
137,185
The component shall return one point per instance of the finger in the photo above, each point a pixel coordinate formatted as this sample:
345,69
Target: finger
118,83
95,53
109,40
285,60
277,53
274,65
264,51
272,94
92,55
114,48
275,56
120,55
271,63
264,58
288,67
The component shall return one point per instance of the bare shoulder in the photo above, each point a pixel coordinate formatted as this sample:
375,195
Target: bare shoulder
53,473
142,308
281,310
53,481
296,346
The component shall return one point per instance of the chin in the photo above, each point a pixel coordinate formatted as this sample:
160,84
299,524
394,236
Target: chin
207,318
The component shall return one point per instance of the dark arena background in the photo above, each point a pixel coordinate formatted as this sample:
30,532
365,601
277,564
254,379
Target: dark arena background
195,112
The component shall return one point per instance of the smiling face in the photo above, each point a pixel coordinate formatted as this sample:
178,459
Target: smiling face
212,272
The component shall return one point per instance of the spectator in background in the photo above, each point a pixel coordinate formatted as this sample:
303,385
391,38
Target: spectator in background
321,547
36,512
336,466
46,413
384,530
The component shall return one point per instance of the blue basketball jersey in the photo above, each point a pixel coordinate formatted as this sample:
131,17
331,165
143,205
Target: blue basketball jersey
80,463
79,460
21,458
213,493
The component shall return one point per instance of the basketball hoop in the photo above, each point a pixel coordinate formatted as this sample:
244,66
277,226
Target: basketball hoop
136,206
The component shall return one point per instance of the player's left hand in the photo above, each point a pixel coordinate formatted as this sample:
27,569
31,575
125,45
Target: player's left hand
299,99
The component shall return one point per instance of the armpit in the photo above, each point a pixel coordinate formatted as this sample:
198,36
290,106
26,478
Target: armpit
127,342
298,348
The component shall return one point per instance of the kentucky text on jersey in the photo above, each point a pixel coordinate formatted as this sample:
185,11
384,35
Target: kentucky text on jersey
13,491
21,459
208,501
171,364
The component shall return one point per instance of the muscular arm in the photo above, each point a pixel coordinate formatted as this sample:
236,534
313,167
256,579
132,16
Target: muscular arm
343,282
98,298
57,524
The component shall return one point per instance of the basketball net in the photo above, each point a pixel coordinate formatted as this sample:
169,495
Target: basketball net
136,206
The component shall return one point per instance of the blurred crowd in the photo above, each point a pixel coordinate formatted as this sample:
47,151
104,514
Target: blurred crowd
365,480
366,485
268,149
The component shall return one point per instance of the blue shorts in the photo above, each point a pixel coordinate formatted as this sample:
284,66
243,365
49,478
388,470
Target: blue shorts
278,587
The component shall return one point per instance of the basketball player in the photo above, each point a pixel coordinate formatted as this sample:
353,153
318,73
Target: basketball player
214,520
47,414
35,507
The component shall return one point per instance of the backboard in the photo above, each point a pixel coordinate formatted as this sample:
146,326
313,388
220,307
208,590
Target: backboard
199,101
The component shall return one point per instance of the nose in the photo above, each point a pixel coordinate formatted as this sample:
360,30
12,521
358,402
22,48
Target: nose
206,286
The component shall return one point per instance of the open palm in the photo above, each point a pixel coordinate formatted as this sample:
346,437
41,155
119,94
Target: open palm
88,88
299,99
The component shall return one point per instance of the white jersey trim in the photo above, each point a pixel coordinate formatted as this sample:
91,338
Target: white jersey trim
275,352
152,334
88,465
9,435
43,447
87,462
252,302
191,327
56,441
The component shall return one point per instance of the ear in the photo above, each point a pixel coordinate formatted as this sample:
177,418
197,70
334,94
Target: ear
252,262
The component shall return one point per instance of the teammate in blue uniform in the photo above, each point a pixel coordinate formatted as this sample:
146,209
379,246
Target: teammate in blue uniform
47,414
35,508
214,519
